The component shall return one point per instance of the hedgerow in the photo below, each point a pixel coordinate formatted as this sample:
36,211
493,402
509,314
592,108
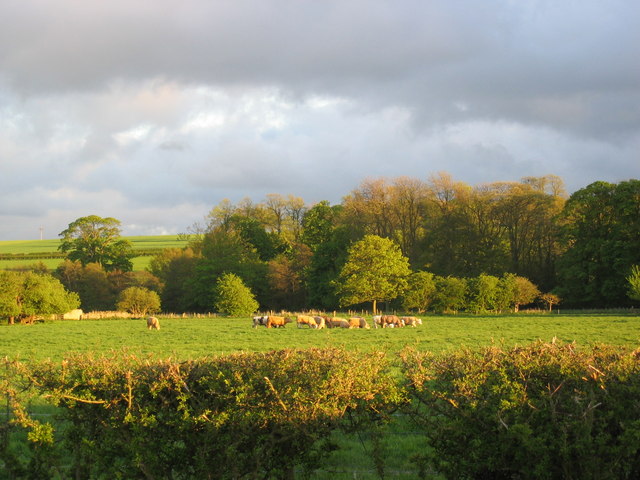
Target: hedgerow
247,415
543,411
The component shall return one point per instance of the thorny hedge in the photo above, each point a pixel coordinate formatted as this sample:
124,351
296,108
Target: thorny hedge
247,415
542,411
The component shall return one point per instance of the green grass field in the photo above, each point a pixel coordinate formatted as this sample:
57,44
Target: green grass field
197,337
38,250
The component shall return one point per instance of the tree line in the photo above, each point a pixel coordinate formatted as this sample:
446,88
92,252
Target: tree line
453,245
580,249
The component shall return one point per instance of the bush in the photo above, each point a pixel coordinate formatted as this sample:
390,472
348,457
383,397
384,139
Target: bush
138,301
543,411
247,415
233,297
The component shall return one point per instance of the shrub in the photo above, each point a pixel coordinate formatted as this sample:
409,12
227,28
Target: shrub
247,415
543,411
233,297
138,301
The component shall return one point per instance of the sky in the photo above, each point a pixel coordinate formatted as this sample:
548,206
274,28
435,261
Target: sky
154,111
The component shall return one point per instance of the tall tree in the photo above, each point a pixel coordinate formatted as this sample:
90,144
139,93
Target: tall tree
420,291
601,236
408,197
90,282
286,278
368,208
176,269
226,252
375,271
94,239
318,224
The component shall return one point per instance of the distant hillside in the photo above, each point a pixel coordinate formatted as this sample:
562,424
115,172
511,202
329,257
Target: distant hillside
15,253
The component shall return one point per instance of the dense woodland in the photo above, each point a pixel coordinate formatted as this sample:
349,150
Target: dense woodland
455,237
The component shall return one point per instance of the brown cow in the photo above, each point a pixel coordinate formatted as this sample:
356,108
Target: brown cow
153,323
277,322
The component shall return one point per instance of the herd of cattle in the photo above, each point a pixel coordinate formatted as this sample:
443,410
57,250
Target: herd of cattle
322,321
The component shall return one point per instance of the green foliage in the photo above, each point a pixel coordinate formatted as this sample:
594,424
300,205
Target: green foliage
94,239
259,415
634,283
138,301
601,235
326,263
523,292
375,271
267,244
225,252
24,295
421,288
483,293
286,273
547,410
90,282
318,224
99,289
10,288
233,298
176,267
450,294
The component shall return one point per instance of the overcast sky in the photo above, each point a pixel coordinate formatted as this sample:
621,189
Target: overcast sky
153,111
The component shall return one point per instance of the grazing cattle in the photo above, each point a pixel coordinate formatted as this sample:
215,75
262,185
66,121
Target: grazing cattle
153,323
307,320
391,321
387,321
260,320
358,322
277,322
337,322
320,322
411,321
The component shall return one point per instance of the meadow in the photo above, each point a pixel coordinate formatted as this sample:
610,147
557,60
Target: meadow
19,253
184,338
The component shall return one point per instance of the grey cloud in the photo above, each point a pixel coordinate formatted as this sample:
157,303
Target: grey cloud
129,108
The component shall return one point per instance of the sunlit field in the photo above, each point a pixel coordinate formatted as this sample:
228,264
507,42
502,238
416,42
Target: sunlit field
35,251
185,338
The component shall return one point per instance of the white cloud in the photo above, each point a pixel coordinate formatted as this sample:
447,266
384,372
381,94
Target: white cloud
152,112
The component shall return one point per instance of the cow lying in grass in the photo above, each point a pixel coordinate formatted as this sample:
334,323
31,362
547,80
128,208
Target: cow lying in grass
153,323
358,322
411,321
277,322
337,322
